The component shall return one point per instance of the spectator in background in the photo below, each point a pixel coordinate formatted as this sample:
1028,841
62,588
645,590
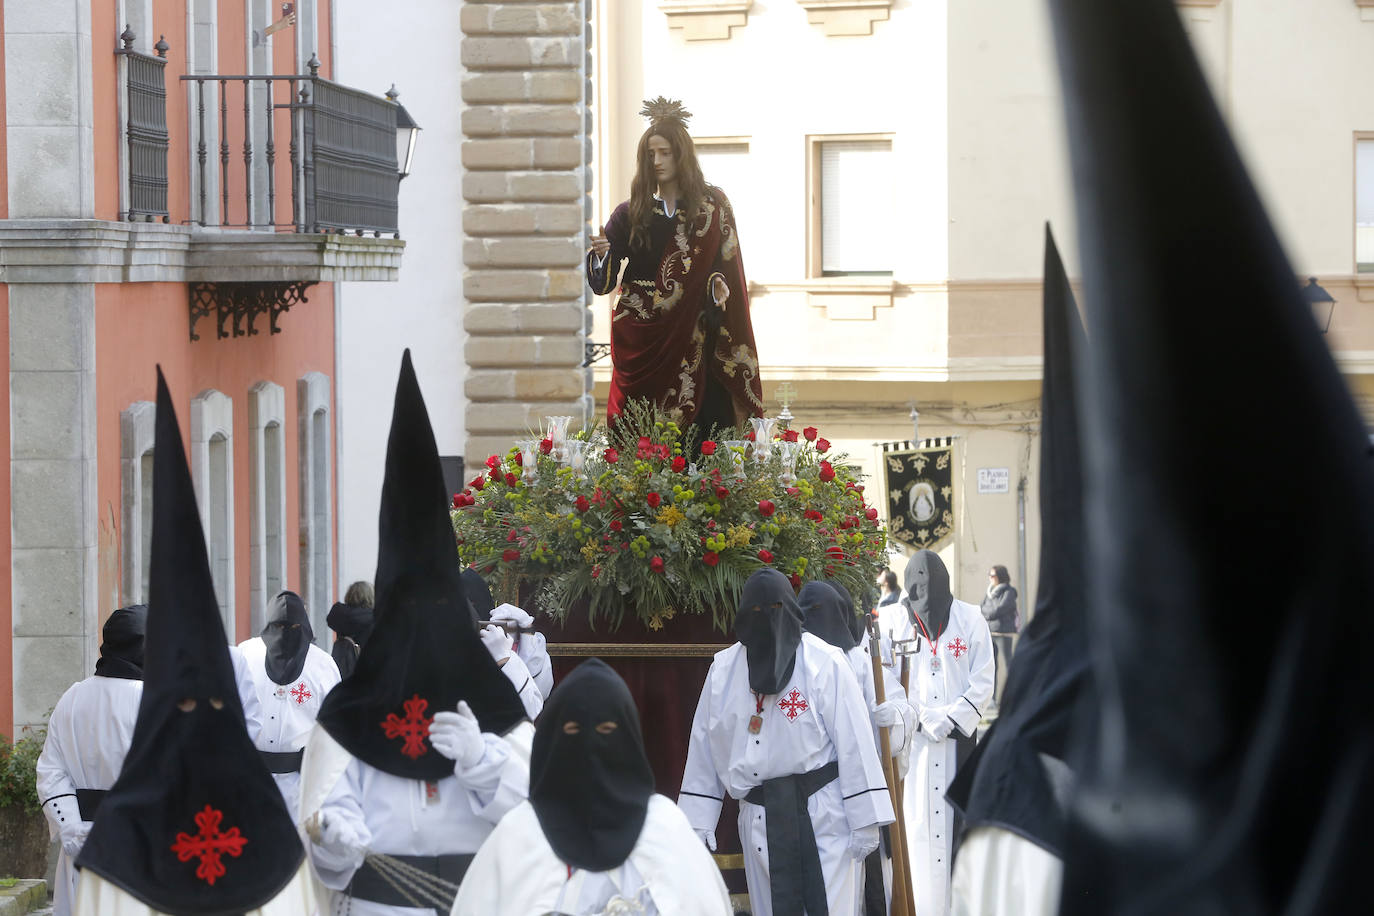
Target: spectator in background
351,620
999,610
887,582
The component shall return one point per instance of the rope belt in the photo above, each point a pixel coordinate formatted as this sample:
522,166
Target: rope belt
410,881
795,880
88,800
282,762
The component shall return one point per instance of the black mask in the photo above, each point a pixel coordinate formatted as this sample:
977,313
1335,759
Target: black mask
287,637
854,621
824,614
769,624
121,646
590,781
928,598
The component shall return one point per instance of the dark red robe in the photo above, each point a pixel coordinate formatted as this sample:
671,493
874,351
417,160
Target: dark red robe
669,342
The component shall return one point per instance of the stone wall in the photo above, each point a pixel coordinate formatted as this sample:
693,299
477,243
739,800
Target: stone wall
524,188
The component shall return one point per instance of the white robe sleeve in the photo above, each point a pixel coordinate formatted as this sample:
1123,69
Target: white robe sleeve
702,791
248,694
966,711
534,653
496,783
866,799
56,791
515,671
335,870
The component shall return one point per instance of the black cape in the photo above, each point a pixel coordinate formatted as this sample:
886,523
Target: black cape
194,824
121,643
424,654
590,783
1018,778
824,613
769,625
287,636
1229,504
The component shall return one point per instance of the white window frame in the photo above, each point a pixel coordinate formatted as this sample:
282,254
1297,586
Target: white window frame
815,249
267,466
137,432
212,417
316,521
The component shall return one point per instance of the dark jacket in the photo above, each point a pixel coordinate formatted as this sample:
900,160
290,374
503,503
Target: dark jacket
999,609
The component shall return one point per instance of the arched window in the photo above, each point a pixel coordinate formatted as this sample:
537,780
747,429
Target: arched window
267,510
136,429
212,468
316,502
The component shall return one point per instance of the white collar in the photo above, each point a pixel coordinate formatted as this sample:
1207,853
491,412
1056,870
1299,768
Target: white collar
666,212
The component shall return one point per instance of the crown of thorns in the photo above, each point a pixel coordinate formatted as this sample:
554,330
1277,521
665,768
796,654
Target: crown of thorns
660,109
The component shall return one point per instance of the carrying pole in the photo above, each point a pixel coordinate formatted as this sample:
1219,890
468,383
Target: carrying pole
903,902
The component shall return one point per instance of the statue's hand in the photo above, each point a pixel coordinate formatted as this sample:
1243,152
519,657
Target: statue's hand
600,244
720,290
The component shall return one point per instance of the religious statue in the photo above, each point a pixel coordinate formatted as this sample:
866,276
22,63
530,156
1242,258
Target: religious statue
680,330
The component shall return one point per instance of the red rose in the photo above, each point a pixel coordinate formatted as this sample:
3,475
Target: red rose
708,447
582,504
722,492
792,491
656,564
512,535
789,435
710,558
812,515
520,459
616,525
749,436
596,572
827,472
479,483
766,507
511,480
871,514
810,433
835,552
795,580
679,464
644,442
545,446
510,556
653,499
457,500
822,445
663,451
612,456
766,555
493,462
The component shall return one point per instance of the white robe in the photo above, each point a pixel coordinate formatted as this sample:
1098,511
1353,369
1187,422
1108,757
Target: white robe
89,735
525,685
999,872
248,694
957,682
517,873
99,897
828,722
534,652
288,710
393,815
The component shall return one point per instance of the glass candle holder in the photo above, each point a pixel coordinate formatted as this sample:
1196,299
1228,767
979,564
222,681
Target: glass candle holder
575,450
556,431
787,454
529,458
736,450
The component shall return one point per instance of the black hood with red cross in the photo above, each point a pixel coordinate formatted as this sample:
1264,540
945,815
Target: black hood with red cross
194,824
424,654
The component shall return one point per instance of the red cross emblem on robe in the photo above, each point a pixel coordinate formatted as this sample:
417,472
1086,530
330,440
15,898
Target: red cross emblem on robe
957,647
210,845
413,729
793,704
301,693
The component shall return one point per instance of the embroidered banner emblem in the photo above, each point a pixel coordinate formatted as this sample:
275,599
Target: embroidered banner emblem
413,729
210,845
793,705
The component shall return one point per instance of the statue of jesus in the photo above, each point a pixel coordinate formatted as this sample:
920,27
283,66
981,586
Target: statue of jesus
680,330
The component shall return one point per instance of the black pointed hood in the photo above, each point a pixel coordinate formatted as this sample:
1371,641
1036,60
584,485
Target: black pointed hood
1018,777
121,643
590,783
1229,508
286,636
928,599
479,594
824,614
769,625
194,824
423,655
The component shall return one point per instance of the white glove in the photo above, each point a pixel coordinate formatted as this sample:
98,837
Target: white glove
709,838
497,641
886,715
936,724
74,838
512,613
338,836
458,737
863,841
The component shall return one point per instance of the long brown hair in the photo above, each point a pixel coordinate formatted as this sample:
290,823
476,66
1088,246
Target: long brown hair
691,185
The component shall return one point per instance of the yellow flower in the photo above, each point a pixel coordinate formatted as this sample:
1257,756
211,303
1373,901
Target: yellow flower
739,535
590,551
671,515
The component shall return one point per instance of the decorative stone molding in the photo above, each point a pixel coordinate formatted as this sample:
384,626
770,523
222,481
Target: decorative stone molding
212,470
314,444
137,425
846,17
267,498
841,298
704,20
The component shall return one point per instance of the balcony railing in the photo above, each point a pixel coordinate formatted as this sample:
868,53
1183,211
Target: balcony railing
341,154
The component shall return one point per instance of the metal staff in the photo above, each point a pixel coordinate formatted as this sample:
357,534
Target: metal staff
903,901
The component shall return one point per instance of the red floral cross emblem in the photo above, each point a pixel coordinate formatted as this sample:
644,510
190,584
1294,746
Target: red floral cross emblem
414,728
210,844
793,705
957,647
301,693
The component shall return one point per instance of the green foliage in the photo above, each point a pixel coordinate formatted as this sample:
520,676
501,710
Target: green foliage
18,769
647,528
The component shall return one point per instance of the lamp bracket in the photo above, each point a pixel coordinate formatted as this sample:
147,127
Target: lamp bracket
239,304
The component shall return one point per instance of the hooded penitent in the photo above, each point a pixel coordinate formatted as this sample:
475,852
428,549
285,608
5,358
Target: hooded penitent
424,655
352,621
194,824
1018,778
286,637
823,614
1230,513
121,643
856,622
769,624
479,593
928,598
590,782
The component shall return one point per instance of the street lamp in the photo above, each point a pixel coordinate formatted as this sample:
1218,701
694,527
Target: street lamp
1322,304
407,133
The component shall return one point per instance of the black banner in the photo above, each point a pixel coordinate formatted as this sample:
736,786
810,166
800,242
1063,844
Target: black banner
920,496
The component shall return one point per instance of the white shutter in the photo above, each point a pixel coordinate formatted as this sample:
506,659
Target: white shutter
857,206
1364,204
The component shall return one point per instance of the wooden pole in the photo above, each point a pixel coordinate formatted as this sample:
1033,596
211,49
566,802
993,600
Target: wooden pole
903,904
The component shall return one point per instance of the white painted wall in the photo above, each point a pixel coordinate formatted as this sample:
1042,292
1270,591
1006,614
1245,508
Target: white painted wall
414,45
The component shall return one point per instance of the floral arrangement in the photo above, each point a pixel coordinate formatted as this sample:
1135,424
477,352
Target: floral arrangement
633,518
